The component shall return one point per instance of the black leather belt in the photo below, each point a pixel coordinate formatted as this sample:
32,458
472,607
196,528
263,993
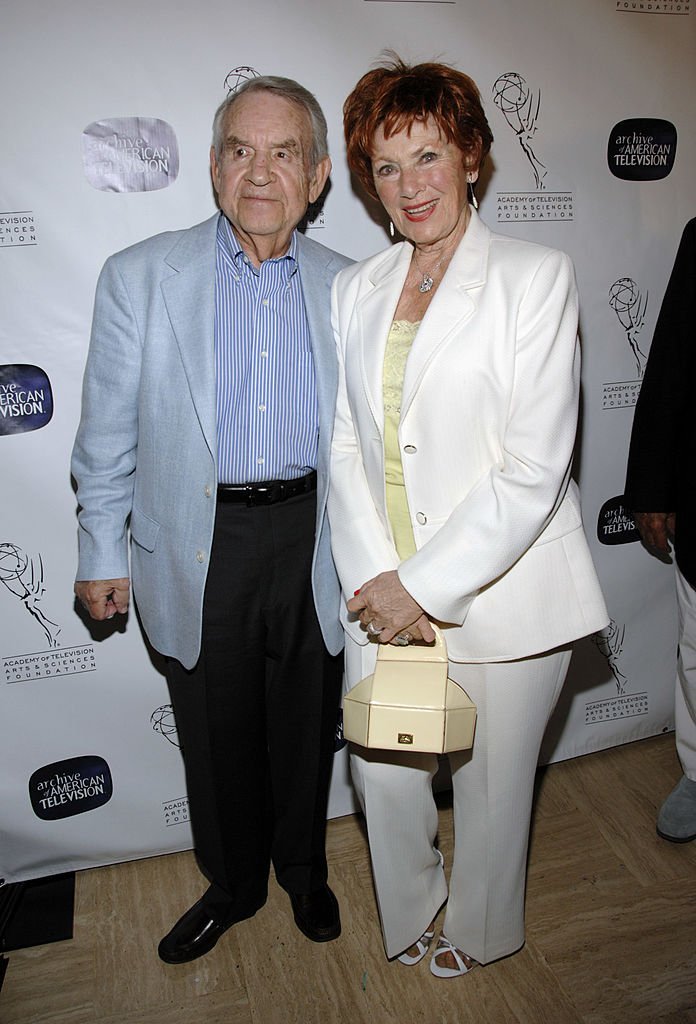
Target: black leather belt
267,493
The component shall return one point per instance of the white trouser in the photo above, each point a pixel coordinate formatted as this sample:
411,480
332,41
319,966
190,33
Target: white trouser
685,695
492,787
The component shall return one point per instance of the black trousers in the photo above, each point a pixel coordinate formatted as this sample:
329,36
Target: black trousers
256,716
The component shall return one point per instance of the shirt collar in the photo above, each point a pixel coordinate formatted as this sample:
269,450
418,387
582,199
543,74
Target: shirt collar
230,247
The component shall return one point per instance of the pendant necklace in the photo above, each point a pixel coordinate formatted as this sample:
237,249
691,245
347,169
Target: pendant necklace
427,280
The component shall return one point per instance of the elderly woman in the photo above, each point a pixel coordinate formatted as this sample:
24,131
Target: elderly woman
452,501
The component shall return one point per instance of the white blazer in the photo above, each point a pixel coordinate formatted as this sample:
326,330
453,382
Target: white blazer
488,421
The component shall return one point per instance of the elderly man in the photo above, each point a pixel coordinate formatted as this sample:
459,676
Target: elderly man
207,415
660,492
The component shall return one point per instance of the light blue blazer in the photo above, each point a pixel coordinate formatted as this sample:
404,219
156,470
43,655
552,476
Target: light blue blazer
145,454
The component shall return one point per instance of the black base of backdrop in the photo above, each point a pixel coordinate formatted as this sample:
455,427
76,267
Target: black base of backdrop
36,912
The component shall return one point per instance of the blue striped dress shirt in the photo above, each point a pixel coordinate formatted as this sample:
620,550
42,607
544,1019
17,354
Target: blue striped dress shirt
267,409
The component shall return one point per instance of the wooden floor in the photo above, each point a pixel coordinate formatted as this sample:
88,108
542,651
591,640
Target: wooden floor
611,930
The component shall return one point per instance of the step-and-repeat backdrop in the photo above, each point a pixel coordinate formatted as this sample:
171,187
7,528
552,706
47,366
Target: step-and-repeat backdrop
105,127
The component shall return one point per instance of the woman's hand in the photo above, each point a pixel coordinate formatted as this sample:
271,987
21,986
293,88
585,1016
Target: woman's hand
387,606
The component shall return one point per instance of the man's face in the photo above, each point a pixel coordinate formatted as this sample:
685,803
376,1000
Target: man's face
263,179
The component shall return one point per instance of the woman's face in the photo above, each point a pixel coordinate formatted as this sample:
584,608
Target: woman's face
421,182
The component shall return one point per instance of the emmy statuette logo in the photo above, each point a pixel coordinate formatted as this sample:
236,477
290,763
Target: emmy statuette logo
162,721
520,104
610,643
22,580
237,76
630,304
23,576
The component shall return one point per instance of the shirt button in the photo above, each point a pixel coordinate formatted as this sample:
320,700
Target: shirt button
264,355
262,407
421,518
200,556
207,490
410,449
260,460
264,302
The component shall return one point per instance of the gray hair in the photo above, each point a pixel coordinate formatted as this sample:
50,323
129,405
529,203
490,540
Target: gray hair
289,90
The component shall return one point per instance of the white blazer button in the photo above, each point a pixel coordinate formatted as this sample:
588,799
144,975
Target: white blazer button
200,556
410,449
208,490
421,518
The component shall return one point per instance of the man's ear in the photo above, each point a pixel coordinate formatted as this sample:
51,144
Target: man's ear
214,169
317,178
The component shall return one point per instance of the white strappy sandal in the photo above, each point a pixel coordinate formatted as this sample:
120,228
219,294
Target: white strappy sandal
464,962
423,943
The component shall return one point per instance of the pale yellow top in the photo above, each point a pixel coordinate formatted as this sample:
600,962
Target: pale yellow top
399,341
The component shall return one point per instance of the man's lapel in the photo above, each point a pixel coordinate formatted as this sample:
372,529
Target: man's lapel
189,295
316,273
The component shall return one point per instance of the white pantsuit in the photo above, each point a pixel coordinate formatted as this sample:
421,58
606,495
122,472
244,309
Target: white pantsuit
492,798
486,436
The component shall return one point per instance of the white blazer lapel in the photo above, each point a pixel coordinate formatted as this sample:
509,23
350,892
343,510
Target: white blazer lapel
453,304
374,316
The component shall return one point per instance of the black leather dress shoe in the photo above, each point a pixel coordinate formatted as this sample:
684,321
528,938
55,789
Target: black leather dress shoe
316,914
193,935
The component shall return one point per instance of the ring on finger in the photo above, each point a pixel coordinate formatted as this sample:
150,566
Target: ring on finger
372,629
403,639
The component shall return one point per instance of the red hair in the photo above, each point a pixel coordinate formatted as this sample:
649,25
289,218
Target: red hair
397,94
